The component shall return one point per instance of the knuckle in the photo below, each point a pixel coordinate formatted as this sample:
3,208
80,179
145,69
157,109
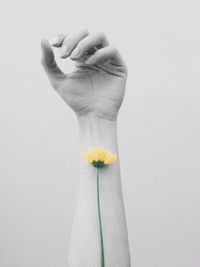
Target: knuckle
126,70
61,35
114,49
101,34
84,30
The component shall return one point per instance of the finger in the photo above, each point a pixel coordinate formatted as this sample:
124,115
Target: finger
57,40
48,61
107,53
94,40
71,41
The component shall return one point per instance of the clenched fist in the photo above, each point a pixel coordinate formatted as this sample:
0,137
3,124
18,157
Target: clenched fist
97,84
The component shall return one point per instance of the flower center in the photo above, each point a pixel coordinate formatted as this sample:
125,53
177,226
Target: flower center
98,164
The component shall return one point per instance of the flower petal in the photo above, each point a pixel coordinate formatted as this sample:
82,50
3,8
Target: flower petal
99,154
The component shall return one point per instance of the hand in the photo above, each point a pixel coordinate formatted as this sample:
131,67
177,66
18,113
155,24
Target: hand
96,87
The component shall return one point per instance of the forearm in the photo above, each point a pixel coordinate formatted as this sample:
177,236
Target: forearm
84,246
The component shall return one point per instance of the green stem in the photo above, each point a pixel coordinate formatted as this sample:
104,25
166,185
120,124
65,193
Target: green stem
100,224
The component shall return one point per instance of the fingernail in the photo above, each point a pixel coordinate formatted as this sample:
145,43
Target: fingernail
54,41
88,61
76,53
63,51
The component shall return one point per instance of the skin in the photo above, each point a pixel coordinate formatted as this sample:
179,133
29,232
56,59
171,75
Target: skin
94,90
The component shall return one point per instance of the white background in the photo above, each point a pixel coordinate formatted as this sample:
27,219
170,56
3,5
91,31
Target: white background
158,130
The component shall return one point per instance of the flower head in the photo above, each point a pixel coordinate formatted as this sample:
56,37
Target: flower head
99,156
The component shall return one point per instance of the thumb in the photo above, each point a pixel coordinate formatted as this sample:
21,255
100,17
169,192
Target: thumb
48,62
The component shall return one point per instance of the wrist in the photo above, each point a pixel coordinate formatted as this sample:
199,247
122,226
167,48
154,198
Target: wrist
91,120
96,131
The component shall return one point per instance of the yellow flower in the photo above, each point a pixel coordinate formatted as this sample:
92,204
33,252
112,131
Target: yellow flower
99,156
